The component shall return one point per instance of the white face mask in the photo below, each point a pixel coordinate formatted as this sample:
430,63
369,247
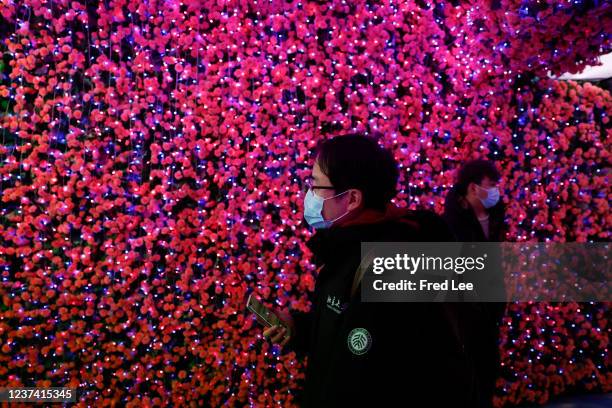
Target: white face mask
313,210
492,196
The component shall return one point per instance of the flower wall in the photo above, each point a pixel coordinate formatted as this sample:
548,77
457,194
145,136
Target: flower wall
152,156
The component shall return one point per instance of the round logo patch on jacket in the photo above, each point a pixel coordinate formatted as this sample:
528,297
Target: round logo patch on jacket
359,341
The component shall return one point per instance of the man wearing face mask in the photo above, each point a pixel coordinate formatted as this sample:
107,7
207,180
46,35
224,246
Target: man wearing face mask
475,213
360,353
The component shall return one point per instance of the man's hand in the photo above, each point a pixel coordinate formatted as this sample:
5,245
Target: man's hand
280,334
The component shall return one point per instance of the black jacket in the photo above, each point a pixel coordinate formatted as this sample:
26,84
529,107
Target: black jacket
482,325
415,353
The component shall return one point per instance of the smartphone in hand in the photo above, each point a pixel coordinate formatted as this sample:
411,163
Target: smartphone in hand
264,315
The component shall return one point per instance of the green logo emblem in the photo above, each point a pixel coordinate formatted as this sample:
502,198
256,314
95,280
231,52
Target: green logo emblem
359,341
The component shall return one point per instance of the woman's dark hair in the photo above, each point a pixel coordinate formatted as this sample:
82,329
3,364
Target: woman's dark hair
475,171
358,161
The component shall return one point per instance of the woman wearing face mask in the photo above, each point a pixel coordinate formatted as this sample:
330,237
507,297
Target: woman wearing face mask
360,353
475,213
473,208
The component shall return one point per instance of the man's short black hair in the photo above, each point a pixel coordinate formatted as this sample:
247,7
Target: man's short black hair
475,171
360,162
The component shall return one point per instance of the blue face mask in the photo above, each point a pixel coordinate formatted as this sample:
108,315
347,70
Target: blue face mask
313,210
492,196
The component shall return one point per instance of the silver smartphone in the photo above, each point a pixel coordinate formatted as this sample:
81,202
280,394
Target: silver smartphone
264,315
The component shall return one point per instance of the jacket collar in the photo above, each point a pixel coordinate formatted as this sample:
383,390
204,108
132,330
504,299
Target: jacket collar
330,241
